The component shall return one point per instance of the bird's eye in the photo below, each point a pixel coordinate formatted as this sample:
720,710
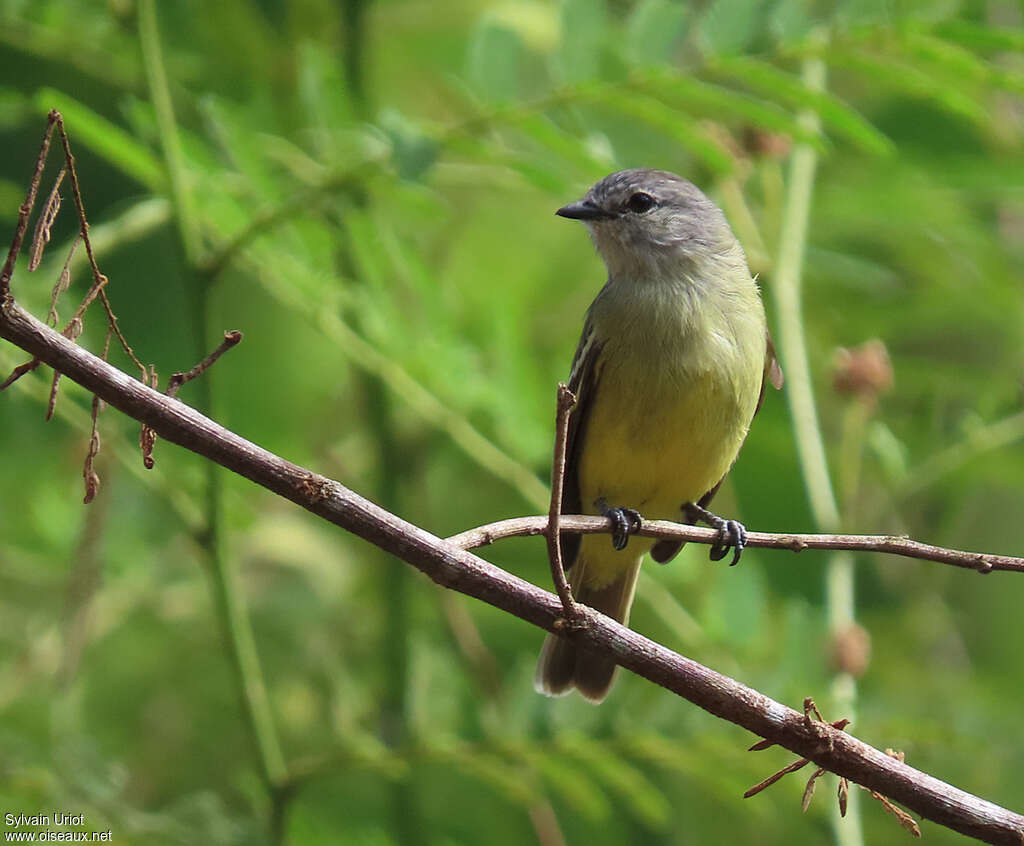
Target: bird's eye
641,202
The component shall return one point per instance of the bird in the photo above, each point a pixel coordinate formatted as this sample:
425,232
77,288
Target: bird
670,369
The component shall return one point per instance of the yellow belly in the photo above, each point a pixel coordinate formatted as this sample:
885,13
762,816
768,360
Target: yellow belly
655,451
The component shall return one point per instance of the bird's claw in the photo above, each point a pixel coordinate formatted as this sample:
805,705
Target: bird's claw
625,522
732,534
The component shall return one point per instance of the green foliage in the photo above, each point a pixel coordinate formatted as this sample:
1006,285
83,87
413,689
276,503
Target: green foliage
372,187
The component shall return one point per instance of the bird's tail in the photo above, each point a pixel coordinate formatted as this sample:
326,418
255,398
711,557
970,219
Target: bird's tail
562,666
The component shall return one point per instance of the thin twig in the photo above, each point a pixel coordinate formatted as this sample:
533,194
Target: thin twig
981,562
174,384
62,283
147,437
26,210
44,225
798,764
99,280
18,372
566,403
89,474
456,569
74,326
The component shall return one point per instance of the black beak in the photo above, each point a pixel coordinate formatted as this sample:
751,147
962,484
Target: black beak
583,210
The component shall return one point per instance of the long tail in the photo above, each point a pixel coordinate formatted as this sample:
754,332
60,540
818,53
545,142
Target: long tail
562,666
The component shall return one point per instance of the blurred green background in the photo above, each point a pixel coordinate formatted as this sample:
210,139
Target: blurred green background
365,188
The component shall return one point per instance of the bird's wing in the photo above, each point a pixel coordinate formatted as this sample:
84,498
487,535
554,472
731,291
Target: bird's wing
583,379
665,550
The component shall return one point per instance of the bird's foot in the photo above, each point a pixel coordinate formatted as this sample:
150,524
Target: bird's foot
625,522
731,533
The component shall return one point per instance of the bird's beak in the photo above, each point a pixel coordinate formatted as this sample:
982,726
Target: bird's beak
583,210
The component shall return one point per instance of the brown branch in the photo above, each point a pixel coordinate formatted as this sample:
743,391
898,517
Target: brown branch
566,403
981,562
459,570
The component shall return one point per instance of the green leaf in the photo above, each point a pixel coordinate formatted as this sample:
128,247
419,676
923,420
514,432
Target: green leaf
543,131
413,152
779,85
573,784
108,140
730,25
489,769
720,101
653,30
672,123
659,751
790,20
736,608
890,452
644,798
897,74
14,108
981,37
495,58
958,63
584,27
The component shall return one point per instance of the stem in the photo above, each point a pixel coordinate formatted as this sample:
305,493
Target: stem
393,466
839,582
170,140
792,344
228,598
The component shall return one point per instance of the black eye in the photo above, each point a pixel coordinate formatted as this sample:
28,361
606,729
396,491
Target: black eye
641,203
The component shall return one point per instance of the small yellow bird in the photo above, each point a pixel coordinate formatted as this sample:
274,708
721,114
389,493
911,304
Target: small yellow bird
669,372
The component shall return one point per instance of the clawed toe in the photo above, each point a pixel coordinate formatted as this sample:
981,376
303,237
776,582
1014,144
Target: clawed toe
625,522
731,533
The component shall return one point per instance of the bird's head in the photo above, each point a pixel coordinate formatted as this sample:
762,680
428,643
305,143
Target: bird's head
643,220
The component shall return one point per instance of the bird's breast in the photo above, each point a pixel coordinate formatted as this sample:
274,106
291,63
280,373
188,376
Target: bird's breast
675,393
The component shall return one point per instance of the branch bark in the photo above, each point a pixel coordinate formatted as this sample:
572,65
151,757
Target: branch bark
981,562
454,568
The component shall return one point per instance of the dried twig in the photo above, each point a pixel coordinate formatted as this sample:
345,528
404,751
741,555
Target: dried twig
99,280
774,777
810,709
902,817
843,788
26,210
809,789
44,226
74,326
891,544
566,403
62,283
147,437
231,338
92,479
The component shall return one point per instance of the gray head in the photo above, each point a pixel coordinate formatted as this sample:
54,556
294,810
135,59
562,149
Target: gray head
644,217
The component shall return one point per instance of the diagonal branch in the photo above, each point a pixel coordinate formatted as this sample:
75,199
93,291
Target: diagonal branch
459,570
